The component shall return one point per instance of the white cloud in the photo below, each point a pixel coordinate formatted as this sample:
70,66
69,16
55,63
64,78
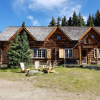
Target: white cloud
30,17
47,4
18,5
34,22
85,18
50,8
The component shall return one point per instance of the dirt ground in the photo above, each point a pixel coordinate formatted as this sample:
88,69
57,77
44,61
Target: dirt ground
21,90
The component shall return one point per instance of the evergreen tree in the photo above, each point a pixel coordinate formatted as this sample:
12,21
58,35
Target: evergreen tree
58,21
64,22
80,23
70,22
23,25
80,20
97,18
13,52
75,19
24,49
52,23
93,19
83,22
90,21
19,51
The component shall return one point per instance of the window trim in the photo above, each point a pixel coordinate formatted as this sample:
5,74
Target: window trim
68,52
41,52
97,51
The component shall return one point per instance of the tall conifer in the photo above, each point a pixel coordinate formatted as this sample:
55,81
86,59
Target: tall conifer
52,23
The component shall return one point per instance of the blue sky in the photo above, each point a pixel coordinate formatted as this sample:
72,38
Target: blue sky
40,12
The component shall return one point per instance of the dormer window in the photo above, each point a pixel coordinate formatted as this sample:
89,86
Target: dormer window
57,37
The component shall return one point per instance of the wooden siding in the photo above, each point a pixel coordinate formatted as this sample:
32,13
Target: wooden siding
54,46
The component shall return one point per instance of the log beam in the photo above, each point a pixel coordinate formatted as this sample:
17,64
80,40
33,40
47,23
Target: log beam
80,56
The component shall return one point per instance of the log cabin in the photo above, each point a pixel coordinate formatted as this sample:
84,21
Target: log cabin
60,45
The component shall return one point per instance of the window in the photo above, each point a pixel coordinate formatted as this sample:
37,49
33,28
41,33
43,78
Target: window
57,37
68,53
85,42
95,54
92,36
39,53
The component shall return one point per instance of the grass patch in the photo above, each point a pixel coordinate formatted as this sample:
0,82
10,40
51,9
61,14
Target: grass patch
71,79
77,80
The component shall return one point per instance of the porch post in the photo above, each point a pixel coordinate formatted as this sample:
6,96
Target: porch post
97,54
80,54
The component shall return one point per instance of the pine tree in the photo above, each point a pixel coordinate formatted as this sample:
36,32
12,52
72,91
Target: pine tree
19,51
90,21
58,21
23,25
75,19
70,22
24,49
52,23
80,20
97,18
83,22
93,19
64,21
13,52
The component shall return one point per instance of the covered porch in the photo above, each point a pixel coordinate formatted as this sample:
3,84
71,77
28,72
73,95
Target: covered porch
88,54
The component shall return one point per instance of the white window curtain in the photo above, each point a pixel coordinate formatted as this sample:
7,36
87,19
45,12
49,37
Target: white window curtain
95,54
39,53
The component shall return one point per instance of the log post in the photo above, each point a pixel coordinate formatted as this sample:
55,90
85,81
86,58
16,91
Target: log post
80,55
97,54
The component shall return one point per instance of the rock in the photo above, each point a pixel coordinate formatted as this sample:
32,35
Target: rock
31,72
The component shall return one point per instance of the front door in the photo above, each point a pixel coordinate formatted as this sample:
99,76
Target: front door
84,56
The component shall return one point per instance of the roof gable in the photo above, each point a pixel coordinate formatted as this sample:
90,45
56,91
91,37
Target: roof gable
91,28
87,37
54,30
22,28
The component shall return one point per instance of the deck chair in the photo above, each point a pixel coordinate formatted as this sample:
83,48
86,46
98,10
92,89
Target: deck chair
37,65
23,68
48,67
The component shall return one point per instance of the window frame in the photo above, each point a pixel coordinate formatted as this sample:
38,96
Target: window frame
68,52
98,50
37,56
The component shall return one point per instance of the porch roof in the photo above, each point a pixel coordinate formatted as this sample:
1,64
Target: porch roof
81,41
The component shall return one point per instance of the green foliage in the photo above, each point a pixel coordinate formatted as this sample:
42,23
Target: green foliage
90,21
75,19
58,21
64,21
13,52
52,23
24,49
19,51
80,20
70,22
23,25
